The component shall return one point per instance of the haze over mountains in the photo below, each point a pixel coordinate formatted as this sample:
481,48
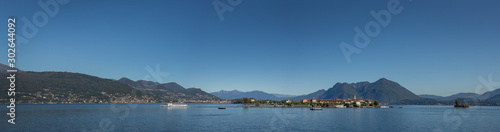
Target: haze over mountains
485,95
260,95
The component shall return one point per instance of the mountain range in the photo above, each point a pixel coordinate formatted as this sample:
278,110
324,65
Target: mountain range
66,87
495,98
486,95
382,90
168,91
259,95
316,94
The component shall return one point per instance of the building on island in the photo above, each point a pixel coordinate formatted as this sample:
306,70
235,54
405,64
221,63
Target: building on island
313,100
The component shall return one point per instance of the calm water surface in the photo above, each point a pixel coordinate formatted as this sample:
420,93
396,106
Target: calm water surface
206,117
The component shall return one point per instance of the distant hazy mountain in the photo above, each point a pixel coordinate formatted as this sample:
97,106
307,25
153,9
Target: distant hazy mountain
316,94
495,98
490,94
483,96
235,94
283,95
169,91
428,96
460,95
383,90
223,94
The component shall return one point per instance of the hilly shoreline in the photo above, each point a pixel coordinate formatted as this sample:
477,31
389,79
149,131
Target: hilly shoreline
70,88
67,87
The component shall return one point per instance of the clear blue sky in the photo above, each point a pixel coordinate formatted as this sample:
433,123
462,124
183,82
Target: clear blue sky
277,46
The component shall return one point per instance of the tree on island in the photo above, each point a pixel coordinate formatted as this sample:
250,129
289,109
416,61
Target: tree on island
376,103
246,100
458,104
283,101
355,105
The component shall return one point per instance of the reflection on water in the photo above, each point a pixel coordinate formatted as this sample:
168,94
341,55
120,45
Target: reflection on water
173,107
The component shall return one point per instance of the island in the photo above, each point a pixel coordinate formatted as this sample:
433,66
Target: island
458,104
336,103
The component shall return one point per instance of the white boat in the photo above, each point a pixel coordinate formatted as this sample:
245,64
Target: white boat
174,105
316,108
339,106
384,106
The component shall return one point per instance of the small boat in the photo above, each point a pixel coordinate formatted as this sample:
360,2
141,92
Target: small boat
222,107
401,107
174,105
384,106
316,108
339,106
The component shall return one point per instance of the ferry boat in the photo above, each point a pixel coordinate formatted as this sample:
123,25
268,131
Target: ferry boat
174,105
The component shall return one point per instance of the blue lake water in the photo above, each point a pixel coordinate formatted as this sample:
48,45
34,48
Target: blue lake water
206,117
